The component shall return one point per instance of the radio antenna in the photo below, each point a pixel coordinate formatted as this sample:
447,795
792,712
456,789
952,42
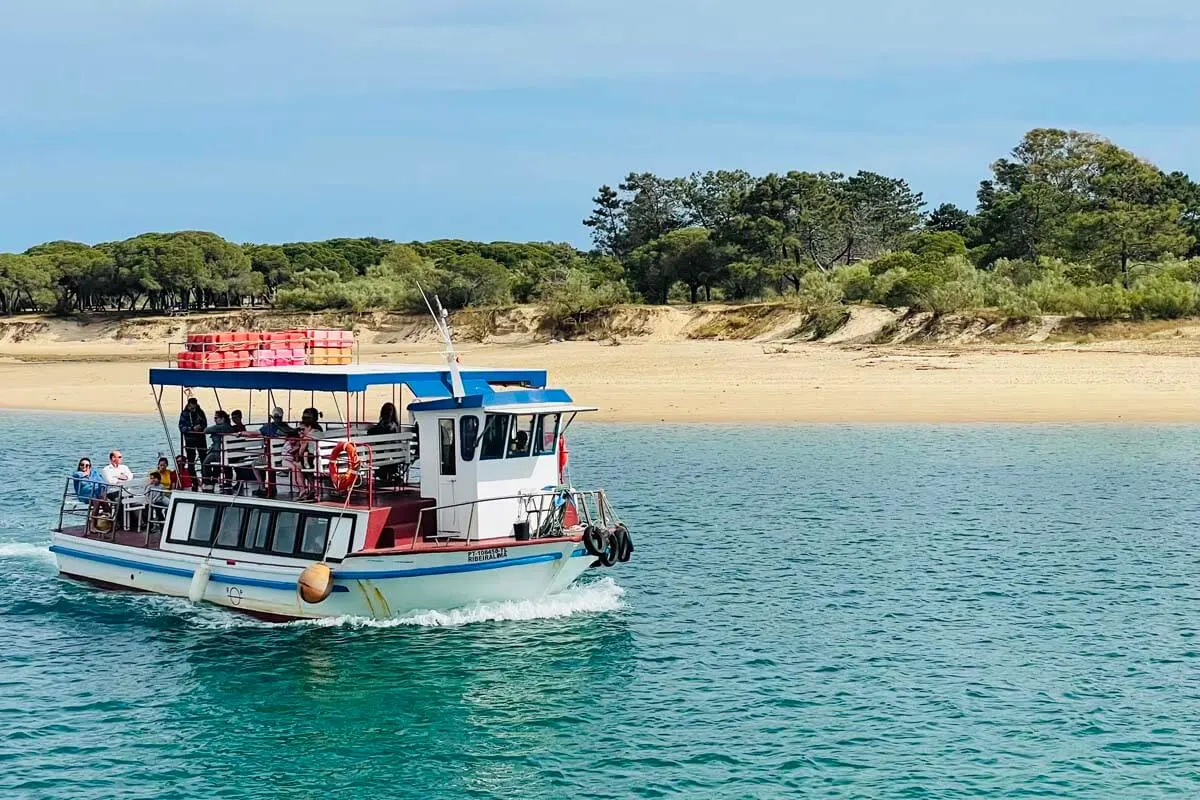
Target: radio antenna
441,318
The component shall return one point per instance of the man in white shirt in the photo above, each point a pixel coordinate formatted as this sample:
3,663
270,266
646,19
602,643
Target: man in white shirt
115,474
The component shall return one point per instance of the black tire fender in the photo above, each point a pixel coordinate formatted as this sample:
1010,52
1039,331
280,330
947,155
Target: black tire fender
608,556
593,540
624,544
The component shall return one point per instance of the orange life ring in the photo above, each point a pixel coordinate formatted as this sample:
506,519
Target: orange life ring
343,480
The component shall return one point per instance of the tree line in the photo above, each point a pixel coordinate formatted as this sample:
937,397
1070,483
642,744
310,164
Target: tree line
1068,222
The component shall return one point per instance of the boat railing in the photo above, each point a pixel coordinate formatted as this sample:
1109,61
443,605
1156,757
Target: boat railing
95,502
544,511
253,458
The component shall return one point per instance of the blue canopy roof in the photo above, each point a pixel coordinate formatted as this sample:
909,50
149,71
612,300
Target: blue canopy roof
423,380
514,402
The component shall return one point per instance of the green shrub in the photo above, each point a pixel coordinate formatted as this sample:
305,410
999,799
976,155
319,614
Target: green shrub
1102,302
1181,270
1019,271
827,320
1162,297
953,297
899,288
1053,294
1016,305
819,290
935,245
891,261
572,299
855,281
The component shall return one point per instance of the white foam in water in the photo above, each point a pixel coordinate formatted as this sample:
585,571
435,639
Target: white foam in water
602,595
26,550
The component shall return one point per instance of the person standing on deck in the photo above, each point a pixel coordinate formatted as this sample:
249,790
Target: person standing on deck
192,422
218,430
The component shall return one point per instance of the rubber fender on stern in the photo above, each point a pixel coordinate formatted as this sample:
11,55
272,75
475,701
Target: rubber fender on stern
315,583
593,540
608,555
624,543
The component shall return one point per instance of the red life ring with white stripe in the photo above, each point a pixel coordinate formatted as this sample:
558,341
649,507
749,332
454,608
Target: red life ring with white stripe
343,479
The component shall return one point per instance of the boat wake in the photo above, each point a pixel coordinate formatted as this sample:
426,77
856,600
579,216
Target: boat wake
26,551
590,598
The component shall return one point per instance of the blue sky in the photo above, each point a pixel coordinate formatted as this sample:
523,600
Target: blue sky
282,120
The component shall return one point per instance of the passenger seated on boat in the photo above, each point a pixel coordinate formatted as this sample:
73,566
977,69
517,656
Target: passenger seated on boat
167,477
235,419
519,445
116,475
276,426
217,431
85,482
389,422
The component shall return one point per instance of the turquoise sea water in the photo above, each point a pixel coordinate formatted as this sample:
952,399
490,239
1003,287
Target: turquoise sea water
811,612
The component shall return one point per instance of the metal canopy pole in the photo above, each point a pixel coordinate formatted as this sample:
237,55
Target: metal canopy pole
158,404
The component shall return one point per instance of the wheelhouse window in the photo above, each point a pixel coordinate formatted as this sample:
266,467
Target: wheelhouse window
446,439
202,524
468,434
495,433
521,436
287,523
547,438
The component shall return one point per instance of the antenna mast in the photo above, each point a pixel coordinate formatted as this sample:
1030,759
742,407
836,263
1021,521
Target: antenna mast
441,319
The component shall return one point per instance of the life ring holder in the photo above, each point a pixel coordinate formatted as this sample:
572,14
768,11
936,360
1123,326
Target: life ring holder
343,480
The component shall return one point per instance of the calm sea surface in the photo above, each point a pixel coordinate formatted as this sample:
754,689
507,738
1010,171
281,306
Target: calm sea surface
811,612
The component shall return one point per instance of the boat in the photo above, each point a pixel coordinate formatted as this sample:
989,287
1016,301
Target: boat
469,500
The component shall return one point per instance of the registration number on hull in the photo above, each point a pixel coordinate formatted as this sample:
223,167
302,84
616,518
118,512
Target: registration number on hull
489,554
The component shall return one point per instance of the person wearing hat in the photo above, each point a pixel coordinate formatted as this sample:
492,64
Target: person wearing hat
277,427
192,422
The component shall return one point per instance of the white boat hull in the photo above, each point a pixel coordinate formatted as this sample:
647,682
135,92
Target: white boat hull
376,586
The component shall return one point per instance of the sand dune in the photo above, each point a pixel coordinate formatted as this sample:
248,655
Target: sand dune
1150,375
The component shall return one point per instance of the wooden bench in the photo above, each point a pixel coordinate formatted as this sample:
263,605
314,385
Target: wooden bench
385,451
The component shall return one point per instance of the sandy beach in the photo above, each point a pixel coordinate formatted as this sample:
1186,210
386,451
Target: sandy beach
729,381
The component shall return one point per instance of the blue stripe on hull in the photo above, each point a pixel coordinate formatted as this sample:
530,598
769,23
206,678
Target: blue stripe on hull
444,569
121,562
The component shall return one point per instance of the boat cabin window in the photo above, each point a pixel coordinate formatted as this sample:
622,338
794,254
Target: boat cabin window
286,525
547,439
446,435
495,433
202,524
468,433
229,532
283,533
521,436
258,530
316,534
